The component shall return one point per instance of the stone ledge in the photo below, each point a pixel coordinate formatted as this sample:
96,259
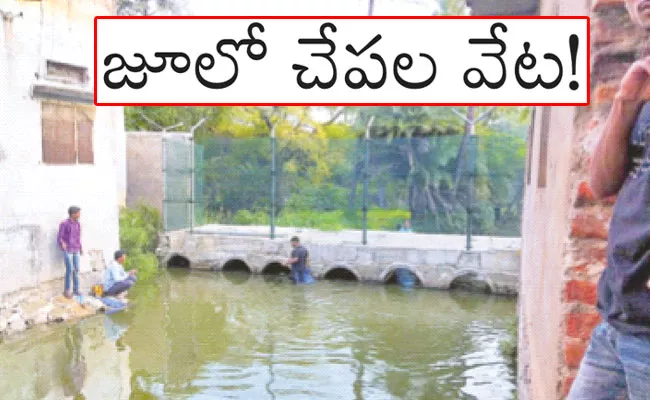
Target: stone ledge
40,312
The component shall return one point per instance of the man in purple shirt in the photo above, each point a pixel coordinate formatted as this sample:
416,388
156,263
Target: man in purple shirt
69,240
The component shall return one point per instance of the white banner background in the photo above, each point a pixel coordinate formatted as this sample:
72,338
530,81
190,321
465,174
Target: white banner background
272,80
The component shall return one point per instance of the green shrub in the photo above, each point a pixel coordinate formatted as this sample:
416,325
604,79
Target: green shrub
327,221
508,345
327,197
386,220
139,227
378,219
146,264
245,217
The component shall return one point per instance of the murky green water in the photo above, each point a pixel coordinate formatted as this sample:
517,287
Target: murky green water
215,336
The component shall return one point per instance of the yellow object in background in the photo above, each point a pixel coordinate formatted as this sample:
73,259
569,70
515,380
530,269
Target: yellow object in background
98,290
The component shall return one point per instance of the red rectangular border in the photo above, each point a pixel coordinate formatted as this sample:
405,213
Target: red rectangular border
584,17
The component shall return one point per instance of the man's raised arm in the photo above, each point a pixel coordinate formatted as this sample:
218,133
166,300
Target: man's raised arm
610,159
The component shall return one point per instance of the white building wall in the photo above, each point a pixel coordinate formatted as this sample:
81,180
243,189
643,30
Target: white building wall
34,197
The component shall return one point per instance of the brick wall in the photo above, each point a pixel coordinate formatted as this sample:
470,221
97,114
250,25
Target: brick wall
616,43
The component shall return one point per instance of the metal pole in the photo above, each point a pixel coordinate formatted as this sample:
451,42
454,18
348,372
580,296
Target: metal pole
192,177
365,181
273,181
193,173
371,7
469,215
164,174
470,200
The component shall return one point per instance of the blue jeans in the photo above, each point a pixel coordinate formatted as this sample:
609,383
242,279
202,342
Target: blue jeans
121,286
71,269
301,275
113,305
615,366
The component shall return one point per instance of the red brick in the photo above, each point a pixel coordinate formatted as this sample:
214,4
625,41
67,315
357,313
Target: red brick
574,350
589,226
597,254
585,195
586,254
566,384
581,291
604,93
580,325
580,269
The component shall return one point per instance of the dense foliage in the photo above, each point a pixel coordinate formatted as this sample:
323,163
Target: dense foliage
421,165
139,229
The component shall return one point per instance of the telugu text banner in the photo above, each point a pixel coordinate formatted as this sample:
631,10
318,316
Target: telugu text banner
341,61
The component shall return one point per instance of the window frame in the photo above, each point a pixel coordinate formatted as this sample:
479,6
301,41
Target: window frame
79,110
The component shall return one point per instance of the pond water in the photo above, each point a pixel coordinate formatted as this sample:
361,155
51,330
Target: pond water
206,335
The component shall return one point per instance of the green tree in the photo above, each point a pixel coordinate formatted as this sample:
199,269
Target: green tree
418,162
139,227
452,7
424,147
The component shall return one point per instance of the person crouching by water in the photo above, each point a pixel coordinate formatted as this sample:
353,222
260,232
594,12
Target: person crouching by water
116,281
299,261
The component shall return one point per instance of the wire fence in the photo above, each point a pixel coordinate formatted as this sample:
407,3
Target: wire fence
441,184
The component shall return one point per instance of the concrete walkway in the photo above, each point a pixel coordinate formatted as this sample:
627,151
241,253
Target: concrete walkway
375,238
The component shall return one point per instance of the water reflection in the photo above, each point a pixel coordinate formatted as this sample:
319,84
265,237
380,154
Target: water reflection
237,277
73,373
213,335
113,330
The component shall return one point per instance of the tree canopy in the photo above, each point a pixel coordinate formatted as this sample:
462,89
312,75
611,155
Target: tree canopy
420,165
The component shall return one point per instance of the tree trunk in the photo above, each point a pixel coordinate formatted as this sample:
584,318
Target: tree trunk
469,130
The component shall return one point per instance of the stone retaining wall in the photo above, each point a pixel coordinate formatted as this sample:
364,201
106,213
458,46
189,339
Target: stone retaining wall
435,268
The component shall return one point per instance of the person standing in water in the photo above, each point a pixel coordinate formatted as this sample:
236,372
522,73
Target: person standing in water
299,261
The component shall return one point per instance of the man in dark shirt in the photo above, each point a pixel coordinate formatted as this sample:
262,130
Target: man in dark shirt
300,271
69,241
617,362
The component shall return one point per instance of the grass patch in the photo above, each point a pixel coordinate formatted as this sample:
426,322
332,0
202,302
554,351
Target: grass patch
508,345
378,219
